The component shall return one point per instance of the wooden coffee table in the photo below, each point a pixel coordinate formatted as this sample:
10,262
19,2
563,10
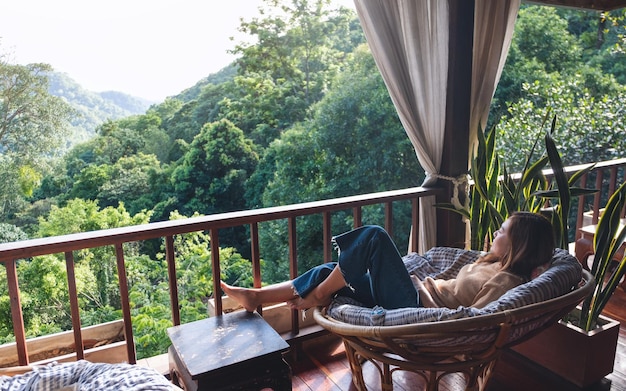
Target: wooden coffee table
235,351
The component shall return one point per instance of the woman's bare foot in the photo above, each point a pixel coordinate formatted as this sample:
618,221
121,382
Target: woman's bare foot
300,303
247,297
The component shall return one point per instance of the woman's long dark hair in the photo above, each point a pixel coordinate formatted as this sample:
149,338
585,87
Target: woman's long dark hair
532,243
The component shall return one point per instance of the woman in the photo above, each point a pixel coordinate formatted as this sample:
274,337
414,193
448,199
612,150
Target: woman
370,269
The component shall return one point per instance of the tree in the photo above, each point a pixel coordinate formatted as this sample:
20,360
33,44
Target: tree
211,175
34,126
117,139
551,46
88,182
33,123
602,36
542,49
133,181
82,216
354,144
589,128
43,280
299,48
11,233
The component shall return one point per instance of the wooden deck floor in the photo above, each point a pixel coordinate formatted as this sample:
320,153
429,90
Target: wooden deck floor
323,366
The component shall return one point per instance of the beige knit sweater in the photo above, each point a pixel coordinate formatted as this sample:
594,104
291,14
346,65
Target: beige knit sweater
476,285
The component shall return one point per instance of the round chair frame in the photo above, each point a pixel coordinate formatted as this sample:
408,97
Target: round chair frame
468,345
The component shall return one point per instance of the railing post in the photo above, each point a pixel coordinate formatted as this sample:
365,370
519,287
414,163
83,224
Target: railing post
581,205
623,180
74,308
255,256
389,218
357,217
16,312
598,196
327,237
415,216
215,263
613,181
293,267
128,323
170,256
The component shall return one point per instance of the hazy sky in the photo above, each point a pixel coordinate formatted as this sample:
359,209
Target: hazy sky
147,48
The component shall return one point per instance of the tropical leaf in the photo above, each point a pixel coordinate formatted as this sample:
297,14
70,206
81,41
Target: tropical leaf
609,236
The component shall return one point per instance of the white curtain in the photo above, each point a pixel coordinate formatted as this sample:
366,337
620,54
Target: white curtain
494,22
409,42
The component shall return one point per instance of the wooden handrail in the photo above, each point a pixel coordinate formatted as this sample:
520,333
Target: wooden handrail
113,236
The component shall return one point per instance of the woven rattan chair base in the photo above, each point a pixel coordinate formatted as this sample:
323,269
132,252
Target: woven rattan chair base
469,345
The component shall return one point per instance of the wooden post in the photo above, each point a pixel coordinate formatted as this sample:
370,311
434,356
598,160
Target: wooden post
454,162
128,323
16,312
172,280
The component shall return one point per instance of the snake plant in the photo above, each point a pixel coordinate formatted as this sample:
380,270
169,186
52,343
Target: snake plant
495,193
608,271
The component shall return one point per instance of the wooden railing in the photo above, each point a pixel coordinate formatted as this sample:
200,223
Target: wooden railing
10,253
605,175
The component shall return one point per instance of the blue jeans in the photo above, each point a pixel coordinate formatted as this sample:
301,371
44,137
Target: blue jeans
371,266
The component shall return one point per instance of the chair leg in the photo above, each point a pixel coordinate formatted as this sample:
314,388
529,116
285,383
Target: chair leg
355,367
483,380
386,381
479,376
433,381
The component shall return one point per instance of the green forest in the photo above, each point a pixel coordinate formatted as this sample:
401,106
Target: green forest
301,115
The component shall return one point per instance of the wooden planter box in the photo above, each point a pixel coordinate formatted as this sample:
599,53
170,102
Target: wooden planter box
102,343
277,315
582,358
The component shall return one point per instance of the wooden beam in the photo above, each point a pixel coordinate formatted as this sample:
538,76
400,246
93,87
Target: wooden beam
450,227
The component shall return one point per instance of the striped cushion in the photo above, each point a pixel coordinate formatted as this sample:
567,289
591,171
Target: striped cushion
84,375
564,273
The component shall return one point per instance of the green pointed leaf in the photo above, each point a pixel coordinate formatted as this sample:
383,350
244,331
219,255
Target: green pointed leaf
578,174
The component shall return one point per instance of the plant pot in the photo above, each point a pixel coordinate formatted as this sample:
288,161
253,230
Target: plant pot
580,357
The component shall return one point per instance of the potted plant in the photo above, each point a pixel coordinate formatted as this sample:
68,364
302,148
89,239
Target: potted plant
495,194
610,234
582,346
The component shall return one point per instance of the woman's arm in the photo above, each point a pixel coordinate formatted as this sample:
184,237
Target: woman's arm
495,287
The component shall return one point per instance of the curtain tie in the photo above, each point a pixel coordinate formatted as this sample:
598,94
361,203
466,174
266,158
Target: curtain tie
457,182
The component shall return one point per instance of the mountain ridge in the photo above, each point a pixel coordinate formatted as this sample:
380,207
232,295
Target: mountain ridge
93,108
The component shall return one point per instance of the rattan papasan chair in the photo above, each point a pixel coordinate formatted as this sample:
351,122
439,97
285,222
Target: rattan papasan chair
433,342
